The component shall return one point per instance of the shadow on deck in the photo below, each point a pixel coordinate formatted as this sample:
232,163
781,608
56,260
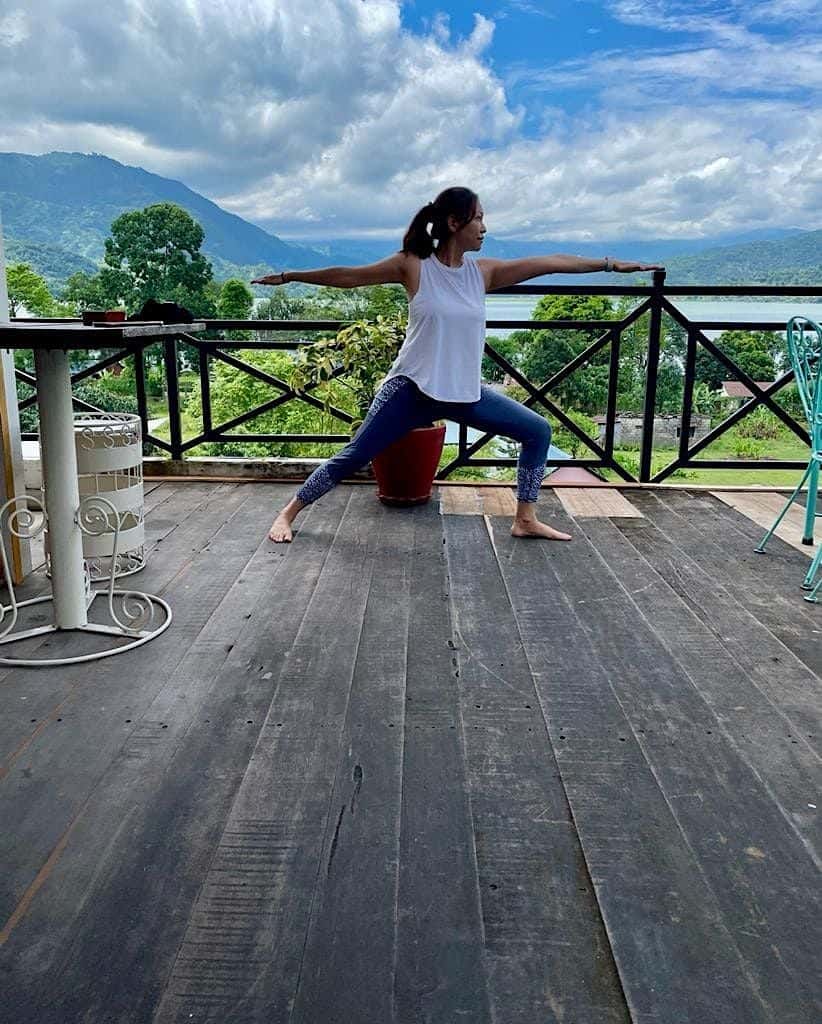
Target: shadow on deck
409,769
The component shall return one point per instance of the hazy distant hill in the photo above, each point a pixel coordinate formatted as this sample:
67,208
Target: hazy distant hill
645,250
787,257
53,263
57,210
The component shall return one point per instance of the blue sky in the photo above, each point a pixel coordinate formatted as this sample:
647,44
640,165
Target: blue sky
574,119
531,36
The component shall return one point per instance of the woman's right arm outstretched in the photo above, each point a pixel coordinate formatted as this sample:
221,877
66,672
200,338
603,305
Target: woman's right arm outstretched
395,269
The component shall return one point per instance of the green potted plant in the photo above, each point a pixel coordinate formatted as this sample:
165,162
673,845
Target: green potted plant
364,351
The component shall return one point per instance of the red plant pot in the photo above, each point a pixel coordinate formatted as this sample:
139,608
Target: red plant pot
406,469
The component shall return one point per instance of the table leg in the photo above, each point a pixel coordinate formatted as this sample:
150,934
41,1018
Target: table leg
58,460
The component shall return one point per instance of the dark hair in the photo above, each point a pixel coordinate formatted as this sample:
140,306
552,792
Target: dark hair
453,202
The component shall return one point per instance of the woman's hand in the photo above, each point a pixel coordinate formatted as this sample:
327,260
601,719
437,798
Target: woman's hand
626,267
271,279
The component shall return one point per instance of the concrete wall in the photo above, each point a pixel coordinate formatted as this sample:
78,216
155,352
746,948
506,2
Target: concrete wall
628,430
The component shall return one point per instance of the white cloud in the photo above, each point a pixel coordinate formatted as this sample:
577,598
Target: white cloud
14,28
668,174
254,88
332,118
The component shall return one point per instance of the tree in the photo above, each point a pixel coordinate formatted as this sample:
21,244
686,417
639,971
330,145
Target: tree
633,363
754,352
282,304
548,350
365,303
29,291
86,291
234,392
236,300
508,348
155,253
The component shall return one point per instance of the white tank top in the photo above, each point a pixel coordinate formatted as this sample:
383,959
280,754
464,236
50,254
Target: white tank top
442,351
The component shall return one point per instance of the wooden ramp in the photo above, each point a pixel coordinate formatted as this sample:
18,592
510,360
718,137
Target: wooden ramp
592,503
763,509
477,501
412,770
579,502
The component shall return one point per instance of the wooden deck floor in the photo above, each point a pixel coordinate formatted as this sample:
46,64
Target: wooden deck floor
409,769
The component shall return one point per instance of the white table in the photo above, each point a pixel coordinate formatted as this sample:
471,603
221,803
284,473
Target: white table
134,612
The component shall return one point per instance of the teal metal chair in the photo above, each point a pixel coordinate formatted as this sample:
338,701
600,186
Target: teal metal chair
805,350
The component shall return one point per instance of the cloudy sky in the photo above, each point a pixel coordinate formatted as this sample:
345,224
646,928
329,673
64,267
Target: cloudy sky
326,118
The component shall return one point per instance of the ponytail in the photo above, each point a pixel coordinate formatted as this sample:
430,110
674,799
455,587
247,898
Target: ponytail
417,239
460,203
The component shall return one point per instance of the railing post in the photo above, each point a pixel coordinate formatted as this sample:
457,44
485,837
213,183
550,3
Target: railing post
688,396
205,391
654,345
173,392
611,406
140,388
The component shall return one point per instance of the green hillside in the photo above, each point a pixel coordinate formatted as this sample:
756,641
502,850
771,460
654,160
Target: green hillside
793,260
68,200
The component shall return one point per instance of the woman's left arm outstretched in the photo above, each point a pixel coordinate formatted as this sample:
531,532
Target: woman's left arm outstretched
504,273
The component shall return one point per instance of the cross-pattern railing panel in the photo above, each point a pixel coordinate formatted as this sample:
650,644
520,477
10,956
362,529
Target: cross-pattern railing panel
655,301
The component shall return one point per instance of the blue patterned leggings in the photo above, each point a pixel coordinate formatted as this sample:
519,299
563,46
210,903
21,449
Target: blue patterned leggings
400,406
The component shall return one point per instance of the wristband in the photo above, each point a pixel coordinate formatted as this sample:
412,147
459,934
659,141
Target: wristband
608,264
282,277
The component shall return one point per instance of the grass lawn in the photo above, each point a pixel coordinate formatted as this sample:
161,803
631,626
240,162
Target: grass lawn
782,448
725,477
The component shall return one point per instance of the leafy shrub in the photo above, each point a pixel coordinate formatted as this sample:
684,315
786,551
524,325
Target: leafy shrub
747,447
760,425
789,399
568,442
94,392
628,461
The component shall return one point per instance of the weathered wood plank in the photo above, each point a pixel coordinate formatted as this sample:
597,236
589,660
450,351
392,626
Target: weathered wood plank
50,777
721,542
69,644
347,969
34,699
728,818
155,888
460,501
272,844
763,509
747,677
127,904
439,955
547,954
498,501
669,935
593,502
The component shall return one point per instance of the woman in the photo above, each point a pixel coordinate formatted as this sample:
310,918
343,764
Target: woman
436,374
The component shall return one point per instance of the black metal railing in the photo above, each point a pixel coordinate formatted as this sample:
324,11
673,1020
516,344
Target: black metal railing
655,300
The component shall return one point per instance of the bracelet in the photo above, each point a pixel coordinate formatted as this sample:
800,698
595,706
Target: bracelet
282,277
608,264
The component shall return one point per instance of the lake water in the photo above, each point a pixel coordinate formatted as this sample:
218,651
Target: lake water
520,307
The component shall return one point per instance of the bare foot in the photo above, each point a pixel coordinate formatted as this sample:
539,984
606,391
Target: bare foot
280,531
534,528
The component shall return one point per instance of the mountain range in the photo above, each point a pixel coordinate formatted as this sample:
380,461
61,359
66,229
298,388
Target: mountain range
57,210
